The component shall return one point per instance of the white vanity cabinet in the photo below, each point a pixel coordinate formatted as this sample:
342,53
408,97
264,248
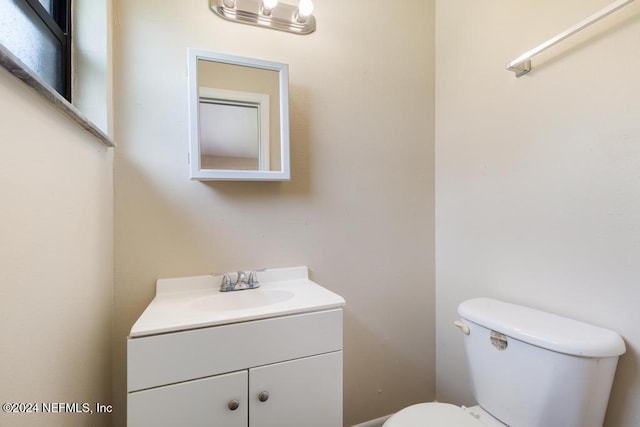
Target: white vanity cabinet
278,372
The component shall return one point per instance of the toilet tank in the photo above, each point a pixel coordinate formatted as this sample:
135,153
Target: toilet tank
532,368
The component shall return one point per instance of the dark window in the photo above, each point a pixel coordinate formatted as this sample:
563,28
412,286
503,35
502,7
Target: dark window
38,32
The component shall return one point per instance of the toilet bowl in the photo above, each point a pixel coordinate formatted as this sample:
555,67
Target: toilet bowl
438,414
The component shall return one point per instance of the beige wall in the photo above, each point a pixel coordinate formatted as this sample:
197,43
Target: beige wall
538,178
358,210
56,262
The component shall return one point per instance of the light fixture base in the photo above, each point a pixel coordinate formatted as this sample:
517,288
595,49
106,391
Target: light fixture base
283,17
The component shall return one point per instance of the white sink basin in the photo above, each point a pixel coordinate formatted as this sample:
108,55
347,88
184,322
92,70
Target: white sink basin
241,300
194,302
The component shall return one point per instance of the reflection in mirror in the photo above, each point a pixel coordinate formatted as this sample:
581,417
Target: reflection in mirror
239,118
234,130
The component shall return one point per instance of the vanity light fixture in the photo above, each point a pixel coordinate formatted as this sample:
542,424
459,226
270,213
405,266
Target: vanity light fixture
268,13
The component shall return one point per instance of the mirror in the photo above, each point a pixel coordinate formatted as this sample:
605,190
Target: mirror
239,118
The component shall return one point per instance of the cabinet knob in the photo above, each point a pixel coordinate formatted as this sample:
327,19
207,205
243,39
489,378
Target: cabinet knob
263,396
233,404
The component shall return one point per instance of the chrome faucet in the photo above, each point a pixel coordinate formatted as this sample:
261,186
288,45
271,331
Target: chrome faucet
242,281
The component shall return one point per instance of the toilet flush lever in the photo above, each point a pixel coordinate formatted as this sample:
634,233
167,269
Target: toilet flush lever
464,328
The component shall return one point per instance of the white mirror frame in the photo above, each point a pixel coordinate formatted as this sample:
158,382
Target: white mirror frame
196,172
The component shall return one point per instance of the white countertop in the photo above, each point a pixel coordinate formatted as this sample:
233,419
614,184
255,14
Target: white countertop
194,302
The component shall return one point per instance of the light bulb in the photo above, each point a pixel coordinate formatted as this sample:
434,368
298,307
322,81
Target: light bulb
305,8
269,4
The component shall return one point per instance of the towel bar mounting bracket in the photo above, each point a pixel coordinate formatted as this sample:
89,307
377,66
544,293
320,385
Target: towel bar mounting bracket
521,68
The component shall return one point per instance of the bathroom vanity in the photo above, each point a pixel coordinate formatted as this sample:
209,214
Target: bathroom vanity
262,357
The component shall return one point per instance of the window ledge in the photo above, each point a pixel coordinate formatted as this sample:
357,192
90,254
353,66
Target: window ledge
22,72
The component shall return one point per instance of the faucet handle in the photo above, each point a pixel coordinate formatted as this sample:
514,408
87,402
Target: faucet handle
253,280
226,284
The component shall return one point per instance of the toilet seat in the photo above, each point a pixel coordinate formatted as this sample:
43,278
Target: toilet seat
433,414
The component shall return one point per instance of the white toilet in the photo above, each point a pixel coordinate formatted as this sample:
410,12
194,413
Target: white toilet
527,368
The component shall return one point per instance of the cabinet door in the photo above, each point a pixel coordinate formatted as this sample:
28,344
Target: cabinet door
196,403
303,392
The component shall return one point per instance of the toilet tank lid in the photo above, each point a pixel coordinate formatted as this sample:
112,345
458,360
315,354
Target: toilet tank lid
543,329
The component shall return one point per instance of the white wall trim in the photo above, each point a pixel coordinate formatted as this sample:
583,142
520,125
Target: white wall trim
373,423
